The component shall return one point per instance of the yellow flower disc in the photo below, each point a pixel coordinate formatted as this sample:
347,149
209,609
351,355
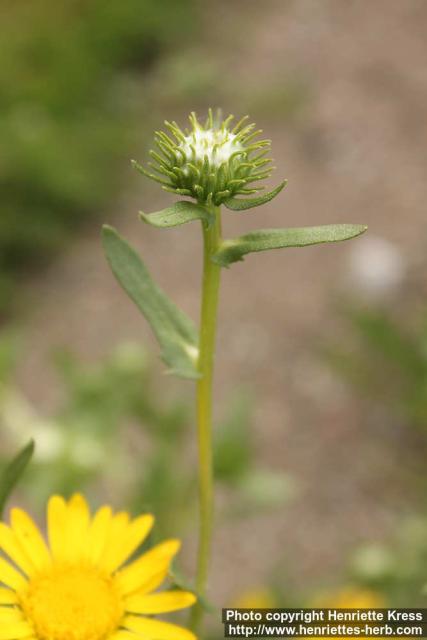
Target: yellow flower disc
72,603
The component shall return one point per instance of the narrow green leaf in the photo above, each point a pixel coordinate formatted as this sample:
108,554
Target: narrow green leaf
13,472
179,213
174,331
265,239
240,204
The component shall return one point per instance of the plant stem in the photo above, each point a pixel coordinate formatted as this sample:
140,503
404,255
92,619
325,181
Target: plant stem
208,322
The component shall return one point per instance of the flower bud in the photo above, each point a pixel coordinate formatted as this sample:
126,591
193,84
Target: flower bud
212,162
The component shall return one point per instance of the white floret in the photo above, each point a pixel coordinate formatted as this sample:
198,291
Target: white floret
216,144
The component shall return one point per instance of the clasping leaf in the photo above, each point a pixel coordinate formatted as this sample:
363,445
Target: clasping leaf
265,239
183,583
179,213
174,331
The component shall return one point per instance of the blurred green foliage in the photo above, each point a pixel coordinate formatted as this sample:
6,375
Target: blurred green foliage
73,92
115,433
398,569
378,574
385,357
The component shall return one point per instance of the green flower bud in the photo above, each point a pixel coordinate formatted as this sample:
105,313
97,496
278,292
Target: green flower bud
212,162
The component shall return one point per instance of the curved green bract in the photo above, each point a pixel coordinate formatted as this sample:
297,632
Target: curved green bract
179,213
267,239
174,331
241,204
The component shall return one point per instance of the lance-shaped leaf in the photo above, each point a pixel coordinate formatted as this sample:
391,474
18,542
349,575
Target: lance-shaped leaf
240,204
179,213
265,239
174,331
13,472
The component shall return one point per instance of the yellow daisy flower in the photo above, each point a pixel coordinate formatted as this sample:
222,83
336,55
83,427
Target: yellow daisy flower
78,587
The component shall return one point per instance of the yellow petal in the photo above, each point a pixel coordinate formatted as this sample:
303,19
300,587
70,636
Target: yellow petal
156,630
7,596
78,517
15,630
56,518
159,602
30,538
151,564
123,635
10,576
152,583
132,538
98,534
116,533
10,614
11,547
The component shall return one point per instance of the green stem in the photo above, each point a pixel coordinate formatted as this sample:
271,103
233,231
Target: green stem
208,322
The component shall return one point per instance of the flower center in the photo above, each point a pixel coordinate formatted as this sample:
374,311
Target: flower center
72,603
217,144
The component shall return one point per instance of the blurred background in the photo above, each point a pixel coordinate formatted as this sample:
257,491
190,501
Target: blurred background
321,379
